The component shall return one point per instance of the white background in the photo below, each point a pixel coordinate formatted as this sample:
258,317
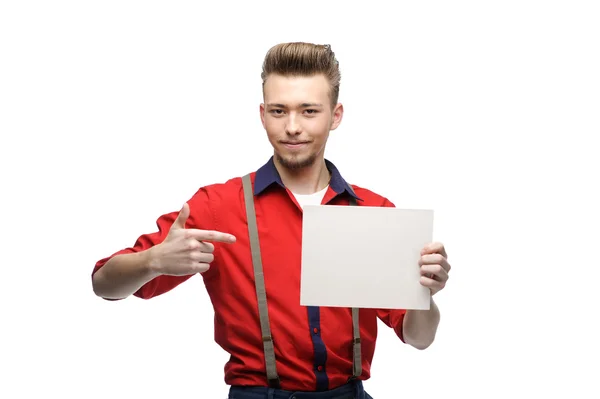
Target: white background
115,112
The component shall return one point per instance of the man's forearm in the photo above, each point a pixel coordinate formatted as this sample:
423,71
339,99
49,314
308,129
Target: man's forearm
420,326
123,275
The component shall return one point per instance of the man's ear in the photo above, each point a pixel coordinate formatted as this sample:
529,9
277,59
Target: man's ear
262,114
338,113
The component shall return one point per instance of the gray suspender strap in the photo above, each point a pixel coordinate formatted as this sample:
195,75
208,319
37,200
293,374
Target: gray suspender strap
261,295
356,347
357,361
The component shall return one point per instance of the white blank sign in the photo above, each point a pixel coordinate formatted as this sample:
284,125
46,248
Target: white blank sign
364,257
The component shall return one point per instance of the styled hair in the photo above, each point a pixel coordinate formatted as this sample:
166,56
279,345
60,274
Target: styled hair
303,59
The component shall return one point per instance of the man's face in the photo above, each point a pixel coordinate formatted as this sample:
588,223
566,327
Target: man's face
297,116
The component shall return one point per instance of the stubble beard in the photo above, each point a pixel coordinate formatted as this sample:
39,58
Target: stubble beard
295,162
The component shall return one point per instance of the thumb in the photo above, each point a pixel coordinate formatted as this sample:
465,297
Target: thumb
179,223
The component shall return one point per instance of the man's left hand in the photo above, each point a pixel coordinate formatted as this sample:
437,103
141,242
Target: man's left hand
434,267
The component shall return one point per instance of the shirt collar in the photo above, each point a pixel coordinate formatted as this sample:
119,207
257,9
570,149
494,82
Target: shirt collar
268,175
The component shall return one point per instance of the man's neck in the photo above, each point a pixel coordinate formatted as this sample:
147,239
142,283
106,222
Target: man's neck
307,180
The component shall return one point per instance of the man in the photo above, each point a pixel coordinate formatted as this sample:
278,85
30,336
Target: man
244,238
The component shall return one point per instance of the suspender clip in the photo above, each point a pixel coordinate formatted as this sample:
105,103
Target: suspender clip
274,383
267,338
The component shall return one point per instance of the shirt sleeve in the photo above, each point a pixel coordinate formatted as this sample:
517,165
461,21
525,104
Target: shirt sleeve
201,217
393,318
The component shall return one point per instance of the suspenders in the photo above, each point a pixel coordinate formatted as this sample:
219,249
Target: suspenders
259,279
272,376
356,348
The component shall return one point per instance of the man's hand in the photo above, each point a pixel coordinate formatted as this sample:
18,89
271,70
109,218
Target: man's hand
185,251
434,267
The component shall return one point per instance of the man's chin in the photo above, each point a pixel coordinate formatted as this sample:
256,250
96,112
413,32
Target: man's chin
294,162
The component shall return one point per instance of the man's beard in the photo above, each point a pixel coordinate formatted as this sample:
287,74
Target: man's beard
295,163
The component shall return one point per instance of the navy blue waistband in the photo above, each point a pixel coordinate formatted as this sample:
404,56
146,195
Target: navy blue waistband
351,390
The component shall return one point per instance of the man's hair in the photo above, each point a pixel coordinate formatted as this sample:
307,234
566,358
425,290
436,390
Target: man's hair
303,59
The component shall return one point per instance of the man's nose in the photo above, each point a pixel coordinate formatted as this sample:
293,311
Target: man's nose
293,127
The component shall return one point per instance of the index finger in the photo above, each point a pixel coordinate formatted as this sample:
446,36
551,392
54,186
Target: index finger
210,235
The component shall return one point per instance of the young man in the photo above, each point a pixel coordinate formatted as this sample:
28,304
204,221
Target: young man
244,238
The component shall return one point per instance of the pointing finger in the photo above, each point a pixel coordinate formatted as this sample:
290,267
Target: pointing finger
210,235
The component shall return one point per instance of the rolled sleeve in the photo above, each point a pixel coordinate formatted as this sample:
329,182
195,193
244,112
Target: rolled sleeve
201,217
393,319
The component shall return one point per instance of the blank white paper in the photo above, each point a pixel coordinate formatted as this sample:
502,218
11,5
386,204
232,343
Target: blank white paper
364,257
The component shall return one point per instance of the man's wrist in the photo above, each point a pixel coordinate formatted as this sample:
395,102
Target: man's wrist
151,261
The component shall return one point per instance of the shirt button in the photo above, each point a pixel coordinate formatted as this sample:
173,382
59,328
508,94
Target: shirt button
320,368
316,330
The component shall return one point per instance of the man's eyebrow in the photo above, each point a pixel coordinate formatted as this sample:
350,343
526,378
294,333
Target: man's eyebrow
303,105
306,105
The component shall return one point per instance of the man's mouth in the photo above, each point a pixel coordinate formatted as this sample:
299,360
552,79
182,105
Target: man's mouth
294,144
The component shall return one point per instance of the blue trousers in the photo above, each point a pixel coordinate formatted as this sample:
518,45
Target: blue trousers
352,390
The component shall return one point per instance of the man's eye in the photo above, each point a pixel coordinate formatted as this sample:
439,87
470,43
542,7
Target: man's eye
276,111
311,111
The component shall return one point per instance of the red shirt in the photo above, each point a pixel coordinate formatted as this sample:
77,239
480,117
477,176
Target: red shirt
313,346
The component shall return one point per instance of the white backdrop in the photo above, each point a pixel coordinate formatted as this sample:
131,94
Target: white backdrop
115,112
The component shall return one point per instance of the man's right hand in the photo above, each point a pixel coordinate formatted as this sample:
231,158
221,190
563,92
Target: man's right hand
185,251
